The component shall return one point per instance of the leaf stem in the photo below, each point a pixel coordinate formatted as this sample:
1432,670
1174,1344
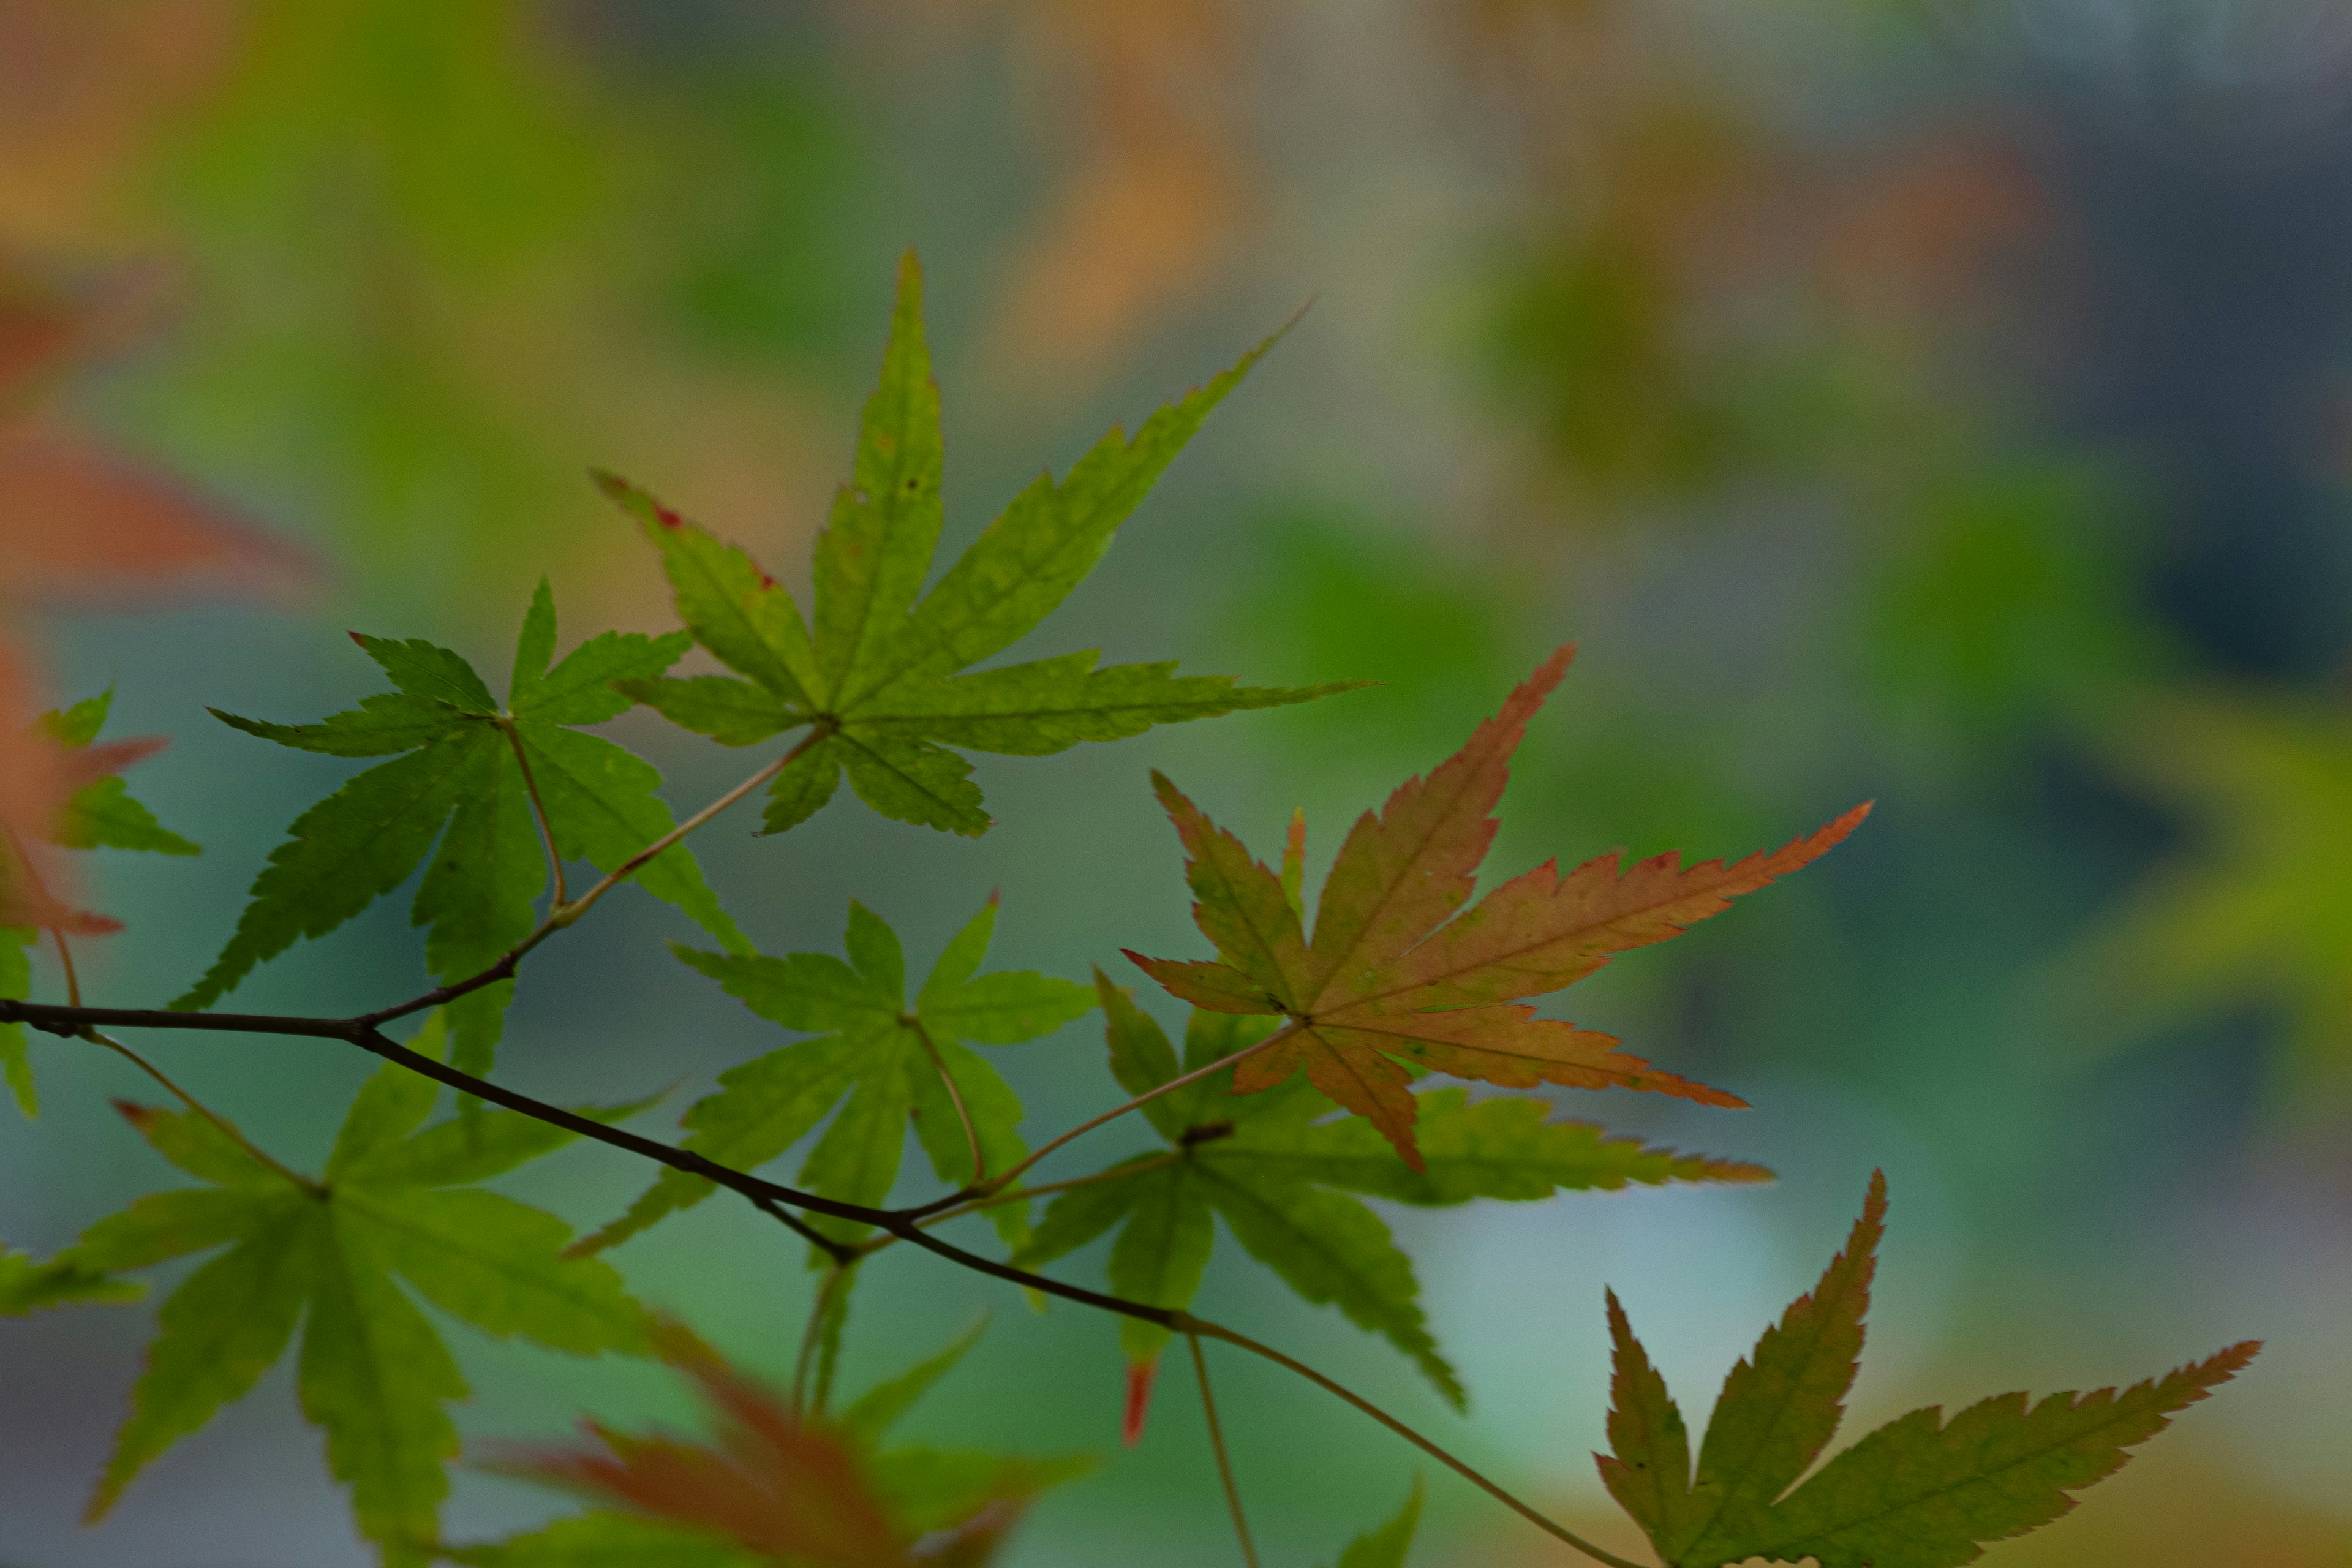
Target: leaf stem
841,1252
1217,1442
1190,1325
1039,1190
955,1095
538,812
811,1334
1140,1099
227,1128
564,913
66,963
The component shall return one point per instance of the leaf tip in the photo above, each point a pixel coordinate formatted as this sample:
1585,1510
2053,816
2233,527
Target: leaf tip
1140,1377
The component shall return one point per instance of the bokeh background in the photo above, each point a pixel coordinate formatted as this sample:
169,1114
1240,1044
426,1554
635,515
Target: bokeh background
1941,403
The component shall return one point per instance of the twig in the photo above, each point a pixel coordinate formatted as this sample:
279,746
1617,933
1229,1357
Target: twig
227,1128
955,1095
1217,1442
1115,1113
1190,1325
1039,1190
840,1252
564,913
65,961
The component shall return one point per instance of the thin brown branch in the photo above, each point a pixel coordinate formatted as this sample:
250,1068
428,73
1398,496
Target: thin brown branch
1116,1111
840,1252
1224,1460
227,1128
66,963
928,1219
1189,1325
564,913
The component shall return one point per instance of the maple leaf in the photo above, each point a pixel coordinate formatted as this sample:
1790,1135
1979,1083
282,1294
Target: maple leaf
1387,1546
776,1486
1919,1492
2252,909
395,1199
1276,1172
875,680
889,1059
27,1286
1399,977
57,791
464,762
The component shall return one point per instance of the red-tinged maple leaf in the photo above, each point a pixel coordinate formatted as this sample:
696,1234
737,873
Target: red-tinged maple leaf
800,1490
37,776
1395,980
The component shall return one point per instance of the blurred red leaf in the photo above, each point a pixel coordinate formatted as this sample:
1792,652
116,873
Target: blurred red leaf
774,1482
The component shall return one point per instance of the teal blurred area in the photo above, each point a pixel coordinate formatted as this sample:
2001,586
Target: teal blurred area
1942,402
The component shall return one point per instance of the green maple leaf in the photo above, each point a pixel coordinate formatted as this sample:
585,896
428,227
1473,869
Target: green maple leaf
877,1056
27,1286
876,679
1400,977
457,765
1387,1546
781,1486
2252,910
1919,1492
101,814
1278,1174
391,1205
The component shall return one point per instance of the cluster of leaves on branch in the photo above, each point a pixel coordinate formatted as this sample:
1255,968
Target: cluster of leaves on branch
1298,1094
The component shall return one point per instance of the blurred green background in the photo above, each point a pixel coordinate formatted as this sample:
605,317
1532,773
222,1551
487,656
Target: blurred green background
1944,402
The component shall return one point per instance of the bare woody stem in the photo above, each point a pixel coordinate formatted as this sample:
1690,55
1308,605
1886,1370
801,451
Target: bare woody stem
1224,1460
565,914
1190,1325
1017,1195
66,963
841,1252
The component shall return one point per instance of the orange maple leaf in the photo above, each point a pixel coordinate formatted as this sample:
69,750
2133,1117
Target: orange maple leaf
774,1483
1391,977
